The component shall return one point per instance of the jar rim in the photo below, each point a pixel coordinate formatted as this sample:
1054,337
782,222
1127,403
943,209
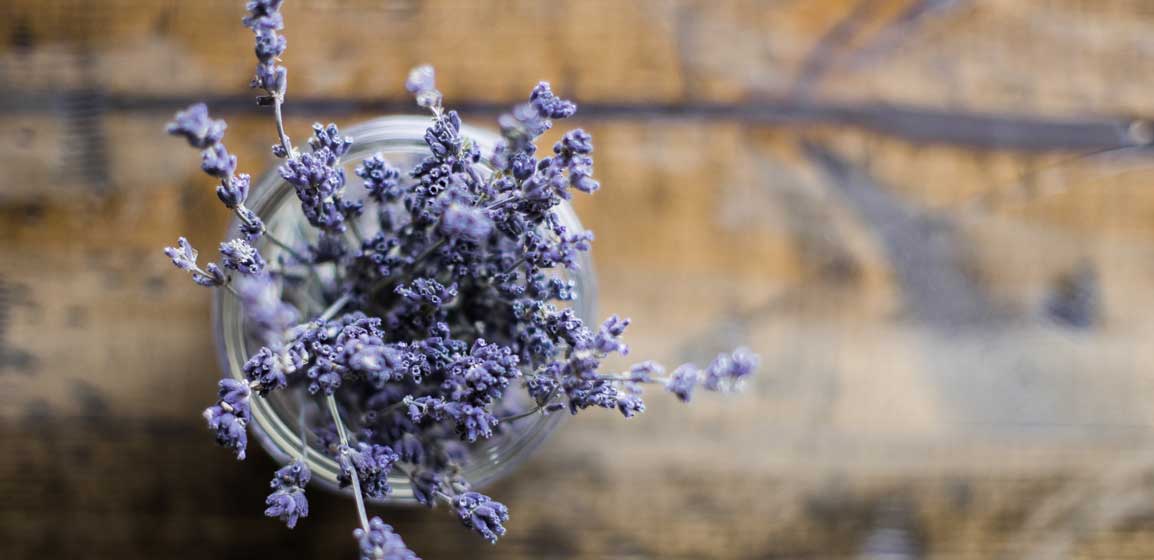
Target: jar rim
269,197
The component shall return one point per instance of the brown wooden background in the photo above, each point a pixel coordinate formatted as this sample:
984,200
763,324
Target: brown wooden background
877,196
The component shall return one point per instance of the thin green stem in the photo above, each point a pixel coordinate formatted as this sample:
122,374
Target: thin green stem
627,377
285,246
335,307
301,427
501,202
278,101
356,231
514,266
532,411
344,436
231,290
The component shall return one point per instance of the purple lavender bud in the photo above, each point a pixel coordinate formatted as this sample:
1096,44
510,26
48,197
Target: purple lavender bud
465,222
381,179
615,326
271,78
644,371
682,382
325,376
575,141
229,417
443,137
234,393
585,393
269,45
250,224
606,341
422,84
728,371
381,543
522,166
260,297
579,179
216,161
287,501
211,277
426,484
279,151
548,105
238,255
263,15
330,137
629,401
372,464
473,422
543,385
481,514
428,407
195,126
183,255
268,369
410,449
234,191
426,291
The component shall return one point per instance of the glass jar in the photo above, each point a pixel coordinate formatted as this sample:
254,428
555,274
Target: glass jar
283,418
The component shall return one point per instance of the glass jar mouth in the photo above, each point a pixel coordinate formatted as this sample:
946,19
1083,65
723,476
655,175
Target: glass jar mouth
274,200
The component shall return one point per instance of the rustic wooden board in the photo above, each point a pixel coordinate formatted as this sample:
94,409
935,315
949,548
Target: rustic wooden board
823,181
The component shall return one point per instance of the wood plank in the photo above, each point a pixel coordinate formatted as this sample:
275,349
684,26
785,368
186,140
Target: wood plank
1018,439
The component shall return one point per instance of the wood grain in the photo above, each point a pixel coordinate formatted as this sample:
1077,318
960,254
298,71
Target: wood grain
769,169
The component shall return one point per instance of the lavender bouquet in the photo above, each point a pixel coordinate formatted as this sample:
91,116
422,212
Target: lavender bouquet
435,314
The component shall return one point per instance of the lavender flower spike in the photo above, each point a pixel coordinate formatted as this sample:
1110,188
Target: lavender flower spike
195,126
727,372
287,501
481,514
422,84
381,543
683,381
216,161
229,417
465,222
238,255
184,257
371,464
234,192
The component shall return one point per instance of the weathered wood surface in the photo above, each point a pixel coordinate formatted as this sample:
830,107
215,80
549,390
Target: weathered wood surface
818,180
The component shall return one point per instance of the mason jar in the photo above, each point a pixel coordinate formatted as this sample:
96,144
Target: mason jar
283,421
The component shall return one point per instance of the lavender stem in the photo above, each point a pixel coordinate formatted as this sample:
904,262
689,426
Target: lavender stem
344,436
532,411
278,101
335,307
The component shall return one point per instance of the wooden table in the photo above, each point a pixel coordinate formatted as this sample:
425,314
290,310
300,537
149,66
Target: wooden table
891,201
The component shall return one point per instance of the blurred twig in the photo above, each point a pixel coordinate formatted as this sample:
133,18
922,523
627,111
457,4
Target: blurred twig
1011,132
824,52
926,253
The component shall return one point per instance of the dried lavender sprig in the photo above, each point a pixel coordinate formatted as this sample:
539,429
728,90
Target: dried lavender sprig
335,307
195,124
422,84
265,19
184,257
287,500
380,542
